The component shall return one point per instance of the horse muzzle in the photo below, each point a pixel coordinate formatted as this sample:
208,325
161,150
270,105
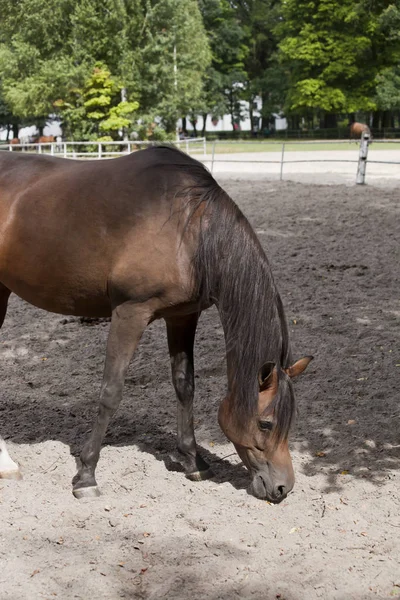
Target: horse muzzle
264,488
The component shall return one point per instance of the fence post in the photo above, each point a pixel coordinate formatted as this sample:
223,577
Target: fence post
39,147
187,147
100,149
129,147
65,150
282,161
362,158
52,149
212,157
10,148
204,147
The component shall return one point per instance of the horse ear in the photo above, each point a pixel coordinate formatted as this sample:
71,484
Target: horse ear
266,375
299,366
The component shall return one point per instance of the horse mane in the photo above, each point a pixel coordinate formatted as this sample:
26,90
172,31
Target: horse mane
233,273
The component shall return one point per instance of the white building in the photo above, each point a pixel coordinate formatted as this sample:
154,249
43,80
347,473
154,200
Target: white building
225,123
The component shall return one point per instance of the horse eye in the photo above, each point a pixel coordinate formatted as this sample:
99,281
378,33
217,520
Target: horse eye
266,425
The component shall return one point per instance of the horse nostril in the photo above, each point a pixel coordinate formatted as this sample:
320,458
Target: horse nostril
280,491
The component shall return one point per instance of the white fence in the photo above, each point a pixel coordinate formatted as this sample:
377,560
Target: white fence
281,156
198,146
101,149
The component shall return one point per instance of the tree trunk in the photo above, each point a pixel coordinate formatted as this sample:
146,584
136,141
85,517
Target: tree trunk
265,120
386,118
231,111
184,125
251,114
15,129
330,121
8,131
203,131
295,122
376,117
193,122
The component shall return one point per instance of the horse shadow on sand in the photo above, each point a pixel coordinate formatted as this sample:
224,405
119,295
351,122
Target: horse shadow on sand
343,427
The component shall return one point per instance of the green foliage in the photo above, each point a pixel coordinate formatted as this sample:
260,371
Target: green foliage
173,57
165,59
226,76
96,107
388,89
334,51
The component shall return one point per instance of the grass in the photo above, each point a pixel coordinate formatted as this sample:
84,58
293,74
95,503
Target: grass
269,146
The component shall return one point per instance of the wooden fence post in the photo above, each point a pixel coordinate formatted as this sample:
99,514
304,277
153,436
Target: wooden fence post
282,161
362,158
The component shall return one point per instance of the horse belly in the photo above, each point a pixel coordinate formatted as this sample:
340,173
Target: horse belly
65,296
62,280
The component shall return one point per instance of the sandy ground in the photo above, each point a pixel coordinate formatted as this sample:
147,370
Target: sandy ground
153,534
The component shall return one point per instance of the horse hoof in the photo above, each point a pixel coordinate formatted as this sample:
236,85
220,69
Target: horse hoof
91,491
16,475
200,475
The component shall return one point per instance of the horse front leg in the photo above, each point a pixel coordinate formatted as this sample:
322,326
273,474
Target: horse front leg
128,322
181,332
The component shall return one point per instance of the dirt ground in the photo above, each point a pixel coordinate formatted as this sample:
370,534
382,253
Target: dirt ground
155,535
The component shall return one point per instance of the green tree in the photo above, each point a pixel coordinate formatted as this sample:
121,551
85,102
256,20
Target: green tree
157,50
49,47
226,77
33,60
265,75
96,109
173,56
333,52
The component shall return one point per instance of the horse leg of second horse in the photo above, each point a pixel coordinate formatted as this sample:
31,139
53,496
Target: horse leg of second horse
128,322
8,468
181,332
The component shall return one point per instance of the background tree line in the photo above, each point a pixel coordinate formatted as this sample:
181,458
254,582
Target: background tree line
111,67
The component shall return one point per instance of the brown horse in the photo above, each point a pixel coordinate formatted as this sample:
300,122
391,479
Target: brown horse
357,129
46,139
146,236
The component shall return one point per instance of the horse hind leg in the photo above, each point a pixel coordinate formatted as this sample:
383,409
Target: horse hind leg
8,468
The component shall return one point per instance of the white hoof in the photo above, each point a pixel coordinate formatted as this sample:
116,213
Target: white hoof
8,468
86,492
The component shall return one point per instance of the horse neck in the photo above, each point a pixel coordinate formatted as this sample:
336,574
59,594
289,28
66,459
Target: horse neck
248,307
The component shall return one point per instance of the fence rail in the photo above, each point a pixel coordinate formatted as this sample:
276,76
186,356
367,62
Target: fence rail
342,133
101,149
361,161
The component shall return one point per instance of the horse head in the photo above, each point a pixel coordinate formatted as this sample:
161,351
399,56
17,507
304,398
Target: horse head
262,440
